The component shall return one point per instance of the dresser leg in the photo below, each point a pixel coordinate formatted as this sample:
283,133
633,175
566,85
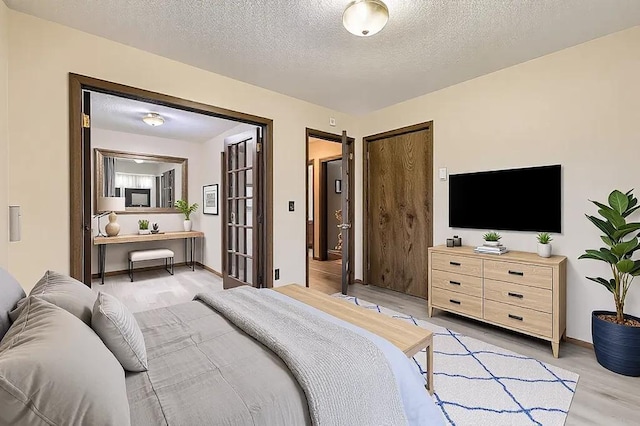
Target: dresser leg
555,346
430,310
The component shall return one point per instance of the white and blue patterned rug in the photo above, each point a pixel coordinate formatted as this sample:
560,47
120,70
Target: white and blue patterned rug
480,384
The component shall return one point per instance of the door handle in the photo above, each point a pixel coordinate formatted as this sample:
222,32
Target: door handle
345,226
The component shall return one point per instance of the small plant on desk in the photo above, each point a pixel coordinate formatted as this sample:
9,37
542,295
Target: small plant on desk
143,227
492,238
155,228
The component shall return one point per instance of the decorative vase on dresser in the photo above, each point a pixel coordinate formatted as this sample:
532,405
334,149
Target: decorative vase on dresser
186,225
519,291
113,228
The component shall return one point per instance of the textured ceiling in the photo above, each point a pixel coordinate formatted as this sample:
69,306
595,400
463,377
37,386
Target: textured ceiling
299,47
125,115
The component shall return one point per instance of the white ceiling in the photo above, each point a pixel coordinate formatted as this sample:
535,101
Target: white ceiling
125,115
299,47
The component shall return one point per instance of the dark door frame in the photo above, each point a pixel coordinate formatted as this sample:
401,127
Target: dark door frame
365,176
80,205
329,137
322,207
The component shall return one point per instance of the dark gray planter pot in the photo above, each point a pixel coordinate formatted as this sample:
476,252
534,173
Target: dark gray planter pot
617,346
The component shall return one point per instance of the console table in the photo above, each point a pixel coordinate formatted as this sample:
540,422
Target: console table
188,237
519,291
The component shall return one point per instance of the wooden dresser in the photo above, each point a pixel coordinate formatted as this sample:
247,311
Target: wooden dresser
517,290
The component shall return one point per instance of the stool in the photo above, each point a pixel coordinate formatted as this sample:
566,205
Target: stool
140,255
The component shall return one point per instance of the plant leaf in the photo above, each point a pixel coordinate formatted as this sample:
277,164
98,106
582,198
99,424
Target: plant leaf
613,216
625,266
601,206
603,226
624,230
618,201
605,283
607,241
622,248
604,255
630,210
636,268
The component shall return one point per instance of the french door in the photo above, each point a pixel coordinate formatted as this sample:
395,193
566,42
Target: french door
242,218
345,226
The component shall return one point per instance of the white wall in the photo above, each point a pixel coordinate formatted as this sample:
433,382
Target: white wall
117,259
4,134
578,107
42,54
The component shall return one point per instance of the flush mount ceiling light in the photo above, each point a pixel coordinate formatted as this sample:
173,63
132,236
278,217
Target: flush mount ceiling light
365,18
137,160
153,119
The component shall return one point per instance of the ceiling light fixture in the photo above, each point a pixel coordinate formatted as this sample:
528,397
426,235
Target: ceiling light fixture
153,119
365,18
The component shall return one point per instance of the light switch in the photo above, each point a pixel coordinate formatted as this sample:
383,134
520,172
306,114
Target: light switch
332,122
443,173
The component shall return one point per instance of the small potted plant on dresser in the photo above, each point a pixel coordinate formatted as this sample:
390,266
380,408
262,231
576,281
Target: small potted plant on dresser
186,209
616,335
544,244
492,239
143,227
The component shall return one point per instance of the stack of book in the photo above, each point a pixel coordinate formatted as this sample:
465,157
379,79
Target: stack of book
499,249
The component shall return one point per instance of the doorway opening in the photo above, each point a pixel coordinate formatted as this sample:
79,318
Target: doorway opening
329,191
257,173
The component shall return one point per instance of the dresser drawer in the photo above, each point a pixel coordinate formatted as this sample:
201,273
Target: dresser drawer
535,298
457,282
457,302
516,317
519,273
458,264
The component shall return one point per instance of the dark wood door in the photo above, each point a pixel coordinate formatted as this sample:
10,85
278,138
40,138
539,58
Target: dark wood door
242,191
399,218
86,187
346,213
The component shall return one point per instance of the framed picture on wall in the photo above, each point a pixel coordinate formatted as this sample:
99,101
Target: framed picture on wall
210,199
338,184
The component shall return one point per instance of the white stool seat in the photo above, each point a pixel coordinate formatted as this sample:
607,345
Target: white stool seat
139,255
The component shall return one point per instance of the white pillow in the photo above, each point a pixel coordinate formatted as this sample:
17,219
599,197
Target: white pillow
120,332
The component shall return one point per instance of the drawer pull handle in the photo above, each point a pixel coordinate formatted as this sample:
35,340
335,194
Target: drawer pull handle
520,274
515,317
519,296
457,302
454,263
454,282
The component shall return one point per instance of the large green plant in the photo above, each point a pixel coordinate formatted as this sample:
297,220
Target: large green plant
186,209
621,243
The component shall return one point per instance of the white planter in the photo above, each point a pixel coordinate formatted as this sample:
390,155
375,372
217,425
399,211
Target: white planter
492,243
187,225
144,231
544,250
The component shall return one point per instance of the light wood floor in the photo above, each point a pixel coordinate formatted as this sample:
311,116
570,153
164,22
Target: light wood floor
602,397
325,276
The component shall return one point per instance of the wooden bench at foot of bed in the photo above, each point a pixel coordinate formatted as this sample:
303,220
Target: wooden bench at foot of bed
410,339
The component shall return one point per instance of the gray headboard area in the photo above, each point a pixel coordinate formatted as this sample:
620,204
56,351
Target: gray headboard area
10,293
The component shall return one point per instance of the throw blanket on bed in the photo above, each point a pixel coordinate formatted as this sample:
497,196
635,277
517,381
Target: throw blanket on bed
347,380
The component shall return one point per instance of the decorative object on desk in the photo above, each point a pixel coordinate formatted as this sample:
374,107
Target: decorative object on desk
155,228
210,199
450,242
492,239
143,227
108,206
616,335
338,186
544,246
499,249
457,241
186,209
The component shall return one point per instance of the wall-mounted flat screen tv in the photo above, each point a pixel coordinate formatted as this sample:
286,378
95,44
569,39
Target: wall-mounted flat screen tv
528,199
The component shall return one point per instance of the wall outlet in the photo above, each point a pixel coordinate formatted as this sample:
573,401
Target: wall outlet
277,274
292,206
332,122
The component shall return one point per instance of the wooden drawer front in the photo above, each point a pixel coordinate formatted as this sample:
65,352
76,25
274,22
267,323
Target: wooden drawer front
458,264
516,317
537,276
457,282
457,302
536,298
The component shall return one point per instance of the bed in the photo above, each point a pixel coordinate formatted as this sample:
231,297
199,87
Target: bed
206,363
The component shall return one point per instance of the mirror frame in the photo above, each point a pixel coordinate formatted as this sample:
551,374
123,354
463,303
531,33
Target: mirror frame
99,177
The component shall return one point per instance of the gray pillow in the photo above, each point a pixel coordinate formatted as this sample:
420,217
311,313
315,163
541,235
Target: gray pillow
54,370
120,332
64,292
10,293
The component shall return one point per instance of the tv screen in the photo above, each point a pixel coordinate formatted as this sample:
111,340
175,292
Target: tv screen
527,199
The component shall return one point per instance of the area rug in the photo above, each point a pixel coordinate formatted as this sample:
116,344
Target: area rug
480,384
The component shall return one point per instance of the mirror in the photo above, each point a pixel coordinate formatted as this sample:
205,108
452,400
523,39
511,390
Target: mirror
148,183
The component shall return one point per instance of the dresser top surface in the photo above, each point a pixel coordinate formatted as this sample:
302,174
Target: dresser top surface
514,256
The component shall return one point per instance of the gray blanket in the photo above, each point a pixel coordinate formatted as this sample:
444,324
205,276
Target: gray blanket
347,380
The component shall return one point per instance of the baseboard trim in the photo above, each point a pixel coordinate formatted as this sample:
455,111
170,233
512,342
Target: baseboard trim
358,281
579,342
153,268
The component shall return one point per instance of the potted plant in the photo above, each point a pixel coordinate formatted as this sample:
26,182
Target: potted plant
492,239
616,335
143,227
186,209
155,228
544,246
